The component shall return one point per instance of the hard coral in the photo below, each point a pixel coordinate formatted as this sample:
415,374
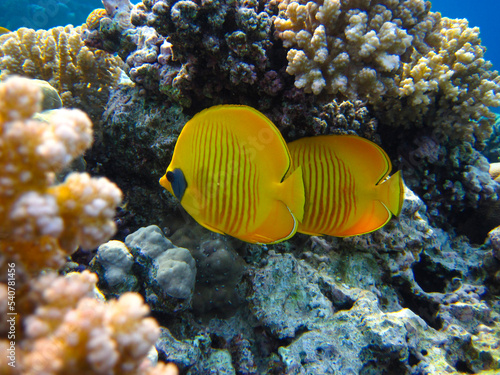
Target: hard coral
352,48
453,75
82,76
41,222
67,330
188,50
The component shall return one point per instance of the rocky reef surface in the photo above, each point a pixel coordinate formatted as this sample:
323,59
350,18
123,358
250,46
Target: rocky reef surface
419,296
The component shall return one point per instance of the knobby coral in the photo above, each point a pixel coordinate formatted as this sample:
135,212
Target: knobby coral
55,324
454,76
349,47
188,50
82,76
393,50
41,221
67,330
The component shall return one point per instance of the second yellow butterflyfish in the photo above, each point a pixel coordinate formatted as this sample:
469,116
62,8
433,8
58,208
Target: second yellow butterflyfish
228,171
346,185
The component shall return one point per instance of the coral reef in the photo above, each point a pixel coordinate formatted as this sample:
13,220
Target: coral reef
455,183
66,329
219,270
42,221
406,297
398,50
132,149
82,76
409,298
350,48
453,77
59,324
194,53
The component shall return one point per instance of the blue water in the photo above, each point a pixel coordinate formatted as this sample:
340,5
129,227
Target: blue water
45,14
482,13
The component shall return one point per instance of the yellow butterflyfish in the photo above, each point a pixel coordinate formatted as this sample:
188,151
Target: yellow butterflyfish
3,30
346,185
228,172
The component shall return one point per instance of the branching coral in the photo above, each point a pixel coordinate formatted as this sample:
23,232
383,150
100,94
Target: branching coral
59,326
374,49
67,330
346,47
82,76
40,221
454,76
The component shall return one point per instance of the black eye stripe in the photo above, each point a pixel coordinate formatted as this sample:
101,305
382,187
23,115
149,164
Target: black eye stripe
170,176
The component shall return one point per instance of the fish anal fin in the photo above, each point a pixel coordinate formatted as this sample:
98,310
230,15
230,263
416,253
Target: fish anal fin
280,225
371,220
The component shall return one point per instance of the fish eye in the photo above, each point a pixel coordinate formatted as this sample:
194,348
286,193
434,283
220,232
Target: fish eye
170,176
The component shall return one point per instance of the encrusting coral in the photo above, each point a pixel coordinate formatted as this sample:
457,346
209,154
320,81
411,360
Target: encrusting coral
82,76
40,221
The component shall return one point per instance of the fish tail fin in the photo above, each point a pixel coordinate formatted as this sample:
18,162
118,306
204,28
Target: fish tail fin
292,193
392,193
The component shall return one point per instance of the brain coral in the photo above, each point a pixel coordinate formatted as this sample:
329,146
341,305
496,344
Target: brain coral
82,76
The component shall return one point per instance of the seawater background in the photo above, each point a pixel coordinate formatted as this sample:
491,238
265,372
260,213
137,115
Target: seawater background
45,14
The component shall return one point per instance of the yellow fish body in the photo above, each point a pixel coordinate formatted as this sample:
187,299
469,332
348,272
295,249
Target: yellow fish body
3,30
345,185
228,171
